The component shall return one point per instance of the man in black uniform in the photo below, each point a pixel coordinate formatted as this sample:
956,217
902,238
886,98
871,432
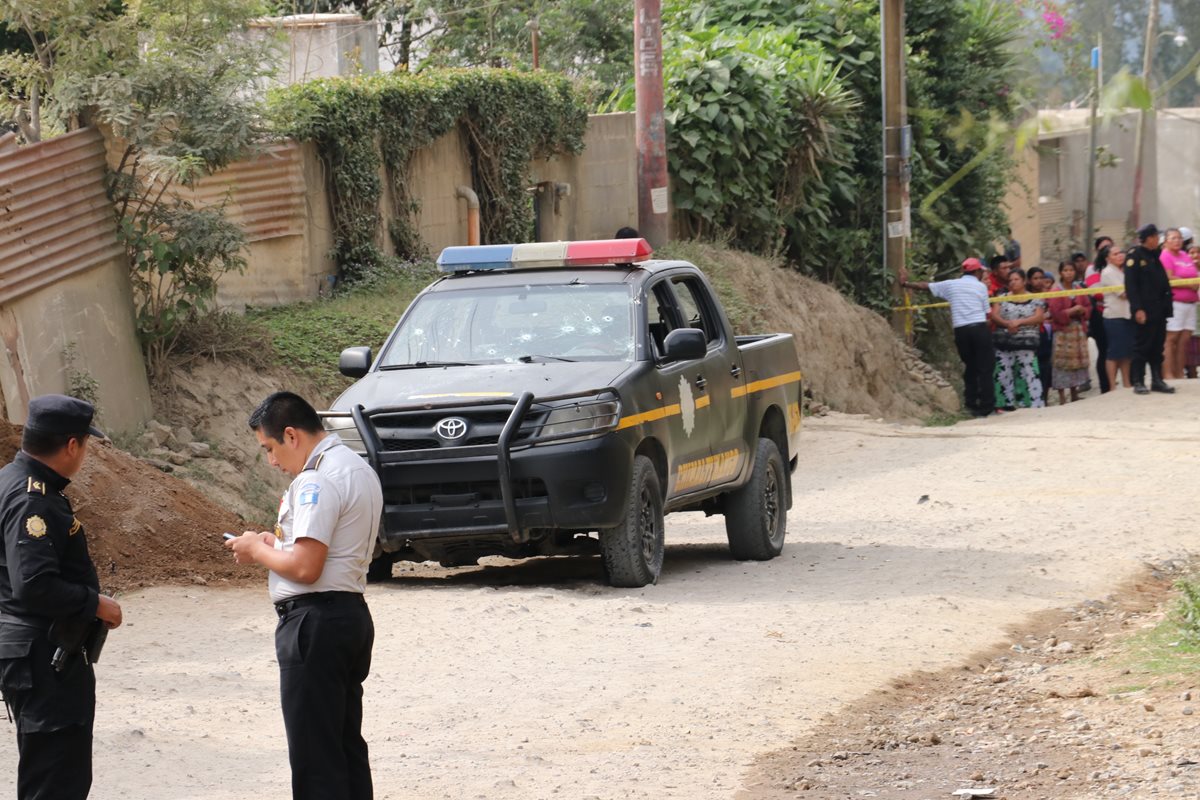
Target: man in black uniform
48,585
1149,291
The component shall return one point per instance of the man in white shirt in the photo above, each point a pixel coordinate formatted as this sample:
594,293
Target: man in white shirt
318,556
968,298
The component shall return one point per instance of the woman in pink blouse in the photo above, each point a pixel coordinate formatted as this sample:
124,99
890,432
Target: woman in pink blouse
1069,316
1182,323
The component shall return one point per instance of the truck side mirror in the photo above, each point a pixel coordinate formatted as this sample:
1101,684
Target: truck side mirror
354,362
685,344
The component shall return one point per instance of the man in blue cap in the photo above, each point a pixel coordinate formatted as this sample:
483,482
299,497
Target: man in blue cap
1149,291
48,593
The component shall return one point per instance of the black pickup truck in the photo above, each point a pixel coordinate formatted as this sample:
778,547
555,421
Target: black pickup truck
560,398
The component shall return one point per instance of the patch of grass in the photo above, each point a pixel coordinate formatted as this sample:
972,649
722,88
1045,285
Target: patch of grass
130,442
1166,653
944,419
308,337
224,334
200,472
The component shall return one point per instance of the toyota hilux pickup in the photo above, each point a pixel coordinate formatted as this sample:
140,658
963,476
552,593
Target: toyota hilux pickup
561,398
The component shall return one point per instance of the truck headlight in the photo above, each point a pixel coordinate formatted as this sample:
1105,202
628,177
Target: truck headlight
344,427
580,420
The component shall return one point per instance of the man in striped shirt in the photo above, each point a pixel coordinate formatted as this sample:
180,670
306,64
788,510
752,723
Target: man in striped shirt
968,298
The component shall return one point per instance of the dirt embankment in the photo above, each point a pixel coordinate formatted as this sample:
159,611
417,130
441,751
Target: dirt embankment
144,528
851,359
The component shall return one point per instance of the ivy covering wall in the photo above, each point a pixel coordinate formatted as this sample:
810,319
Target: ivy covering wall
365,126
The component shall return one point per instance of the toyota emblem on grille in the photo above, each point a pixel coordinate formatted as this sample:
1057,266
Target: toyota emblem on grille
451,428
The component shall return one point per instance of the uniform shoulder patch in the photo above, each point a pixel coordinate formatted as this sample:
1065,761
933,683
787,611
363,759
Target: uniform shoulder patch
76,526
35,526
310,494
35,487
1129,262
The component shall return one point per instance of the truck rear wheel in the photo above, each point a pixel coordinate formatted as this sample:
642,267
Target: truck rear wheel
380,568
633,551
756,514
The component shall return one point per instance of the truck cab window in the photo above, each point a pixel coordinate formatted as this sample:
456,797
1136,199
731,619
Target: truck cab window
661,314
695,308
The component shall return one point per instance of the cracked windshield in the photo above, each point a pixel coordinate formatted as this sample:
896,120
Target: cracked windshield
574,322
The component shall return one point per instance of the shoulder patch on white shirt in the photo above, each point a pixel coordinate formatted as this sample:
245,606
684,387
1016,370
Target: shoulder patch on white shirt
310,493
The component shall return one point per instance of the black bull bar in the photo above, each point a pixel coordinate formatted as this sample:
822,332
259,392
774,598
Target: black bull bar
379,458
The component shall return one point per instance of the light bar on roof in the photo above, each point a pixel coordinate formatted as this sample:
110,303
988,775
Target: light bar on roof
600,252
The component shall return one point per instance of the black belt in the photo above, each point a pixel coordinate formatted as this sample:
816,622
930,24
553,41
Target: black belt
316,599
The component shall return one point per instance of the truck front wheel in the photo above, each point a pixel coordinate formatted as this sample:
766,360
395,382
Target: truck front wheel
633,551
756,514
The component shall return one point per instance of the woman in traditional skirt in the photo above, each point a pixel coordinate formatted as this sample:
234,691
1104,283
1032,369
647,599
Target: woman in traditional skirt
1016,341
1069,316
1118,327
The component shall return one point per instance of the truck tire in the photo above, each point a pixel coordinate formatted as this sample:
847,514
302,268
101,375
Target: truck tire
633,551
756,514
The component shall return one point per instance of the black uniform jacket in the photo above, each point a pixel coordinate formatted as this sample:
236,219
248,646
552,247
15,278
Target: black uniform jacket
1146,284
46,575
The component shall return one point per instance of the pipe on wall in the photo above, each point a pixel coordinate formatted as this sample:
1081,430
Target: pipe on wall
468,194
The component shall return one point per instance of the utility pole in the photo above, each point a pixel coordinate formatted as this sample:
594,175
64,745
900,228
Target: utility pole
897,149
1089,231
651,127
534,31
1139,151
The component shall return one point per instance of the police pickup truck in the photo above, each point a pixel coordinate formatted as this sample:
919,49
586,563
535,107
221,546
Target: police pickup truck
560,398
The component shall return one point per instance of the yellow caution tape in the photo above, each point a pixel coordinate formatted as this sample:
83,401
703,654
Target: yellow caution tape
1018,298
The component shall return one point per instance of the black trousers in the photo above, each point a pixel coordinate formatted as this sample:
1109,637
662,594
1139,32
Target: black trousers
974,344
323,643
1100,337
56,765
54,712
1148,342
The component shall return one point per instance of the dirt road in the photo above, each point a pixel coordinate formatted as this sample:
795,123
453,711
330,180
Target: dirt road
908,548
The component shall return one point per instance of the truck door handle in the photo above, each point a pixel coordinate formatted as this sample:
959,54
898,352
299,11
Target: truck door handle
701,382
735,371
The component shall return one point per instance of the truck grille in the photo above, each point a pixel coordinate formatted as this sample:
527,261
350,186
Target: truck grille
417,430
404,445
483,491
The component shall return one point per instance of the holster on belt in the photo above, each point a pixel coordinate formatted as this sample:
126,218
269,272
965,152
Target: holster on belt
74,636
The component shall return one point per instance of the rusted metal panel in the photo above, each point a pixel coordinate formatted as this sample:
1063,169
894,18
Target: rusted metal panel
55,218
265,195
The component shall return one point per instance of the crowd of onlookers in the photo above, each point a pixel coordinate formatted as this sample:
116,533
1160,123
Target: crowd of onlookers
1017,352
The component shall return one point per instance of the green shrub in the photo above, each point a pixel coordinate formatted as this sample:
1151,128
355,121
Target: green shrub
308,337
364,124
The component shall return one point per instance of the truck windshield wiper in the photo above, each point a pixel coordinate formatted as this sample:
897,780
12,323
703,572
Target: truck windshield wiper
425,364
531,359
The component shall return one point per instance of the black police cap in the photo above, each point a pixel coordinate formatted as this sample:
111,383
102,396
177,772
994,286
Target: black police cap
1146,231
57,413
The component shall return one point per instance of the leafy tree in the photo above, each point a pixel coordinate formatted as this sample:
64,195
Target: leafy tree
174,82
587,39
963,84
1064,72
40,45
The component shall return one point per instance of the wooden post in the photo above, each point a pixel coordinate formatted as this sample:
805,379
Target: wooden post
897,148
653,200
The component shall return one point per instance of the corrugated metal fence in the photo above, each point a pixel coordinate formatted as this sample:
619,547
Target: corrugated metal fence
56,220
265,194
